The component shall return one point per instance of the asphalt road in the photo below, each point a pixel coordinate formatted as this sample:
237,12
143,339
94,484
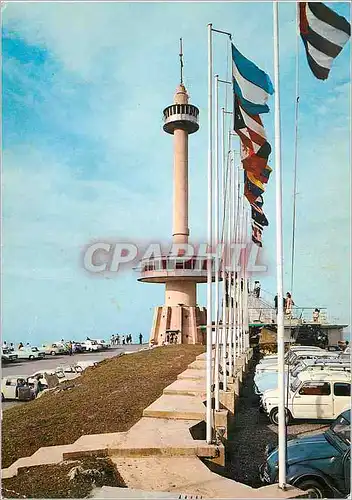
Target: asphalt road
27,368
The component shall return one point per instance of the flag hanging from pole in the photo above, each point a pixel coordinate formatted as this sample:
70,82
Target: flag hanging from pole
251,84
255,149
252,88
324,34
257,230
257,212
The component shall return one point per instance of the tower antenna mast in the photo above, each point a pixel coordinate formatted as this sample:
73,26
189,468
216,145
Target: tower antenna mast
181,60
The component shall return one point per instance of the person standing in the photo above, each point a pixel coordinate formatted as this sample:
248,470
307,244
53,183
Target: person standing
117,339
289,304
140,338
256,289
123,340
316,313
70,348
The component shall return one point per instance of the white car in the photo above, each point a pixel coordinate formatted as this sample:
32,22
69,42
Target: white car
103,343
30,353
15,387
82,365
312,395
92,345
295,357
272,358
8,356
53,349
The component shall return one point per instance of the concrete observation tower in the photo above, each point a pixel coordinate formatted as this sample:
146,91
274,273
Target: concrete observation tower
179,319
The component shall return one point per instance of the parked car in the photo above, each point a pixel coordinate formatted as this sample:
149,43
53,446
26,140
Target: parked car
312,395
82,365
78,347
103,343
53,349
8,356
63,346
272,358
69,372
15,387
318,464
92,345
268,380
30,353
295,358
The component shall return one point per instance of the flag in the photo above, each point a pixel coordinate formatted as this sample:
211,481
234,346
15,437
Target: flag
324,34
249,128
251,85
254,186
255,149
256,164
257,212
257,231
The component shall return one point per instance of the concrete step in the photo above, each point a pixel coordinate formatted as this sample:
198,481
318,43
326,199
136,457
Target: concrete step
192,374
150,437
187,387
189,476
176,407
198,365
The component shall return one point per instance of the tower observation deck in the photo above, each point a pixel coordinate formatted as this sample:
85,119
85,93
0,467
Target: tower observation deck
178,320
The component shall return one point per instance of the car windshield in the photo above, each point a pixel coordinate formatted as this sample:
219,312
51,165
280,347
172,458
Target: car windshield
34,349
295,384
342,428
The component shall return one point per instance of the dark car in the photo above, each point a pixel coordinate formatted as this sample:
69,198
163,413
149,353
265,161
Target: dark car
318,464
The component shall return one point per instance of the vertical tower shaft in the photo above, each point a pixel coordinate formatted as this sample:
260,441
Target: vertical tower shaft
180,208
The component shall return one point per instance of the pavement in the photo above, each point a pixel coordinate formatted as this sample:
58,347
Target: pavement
27,368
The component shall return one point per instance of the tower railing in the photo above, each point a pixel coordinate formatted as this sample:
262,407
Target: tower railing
167,263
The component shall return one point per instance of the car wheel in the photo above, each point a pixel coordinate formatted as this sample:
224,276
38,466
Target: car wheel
31,357
53,353
313,488
274,416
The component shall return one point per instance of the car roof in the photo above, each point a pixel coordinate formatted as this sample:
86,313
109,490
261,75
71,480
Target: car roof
305,347
321,375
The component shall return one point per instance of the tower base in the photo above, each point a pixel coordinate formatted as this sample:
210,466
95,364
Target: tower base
178,325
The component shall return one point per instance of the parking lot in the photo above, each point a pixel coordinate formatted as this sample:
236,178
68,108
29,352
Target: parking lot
253,432
27,368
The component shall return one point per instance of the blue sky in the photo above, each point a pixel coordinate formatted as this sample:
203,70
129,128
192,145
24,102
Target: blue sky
85,157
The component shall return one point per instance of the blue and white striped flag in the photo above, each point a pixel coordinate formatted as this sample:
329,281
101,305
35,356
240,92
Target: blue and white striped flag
251,85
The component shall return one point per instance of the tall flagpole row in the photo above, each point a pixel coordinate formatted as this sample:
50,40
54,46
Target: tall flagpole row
279,258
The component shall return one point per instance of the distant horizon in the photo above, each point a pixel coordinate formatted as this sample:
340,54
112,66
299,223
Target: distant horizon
85,157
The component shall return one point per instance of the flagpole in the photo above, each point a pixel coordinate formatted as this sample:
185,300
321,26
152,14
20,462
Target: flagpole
235,260
279,258
210,240
224,298
216,231
229,274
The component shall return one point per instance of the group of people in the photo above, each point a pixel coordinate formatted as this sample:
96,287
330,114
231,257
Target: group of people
124,339
11,346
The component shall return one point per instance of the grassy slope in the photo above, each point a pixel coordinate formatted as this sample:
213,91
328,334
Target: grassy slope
108,398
